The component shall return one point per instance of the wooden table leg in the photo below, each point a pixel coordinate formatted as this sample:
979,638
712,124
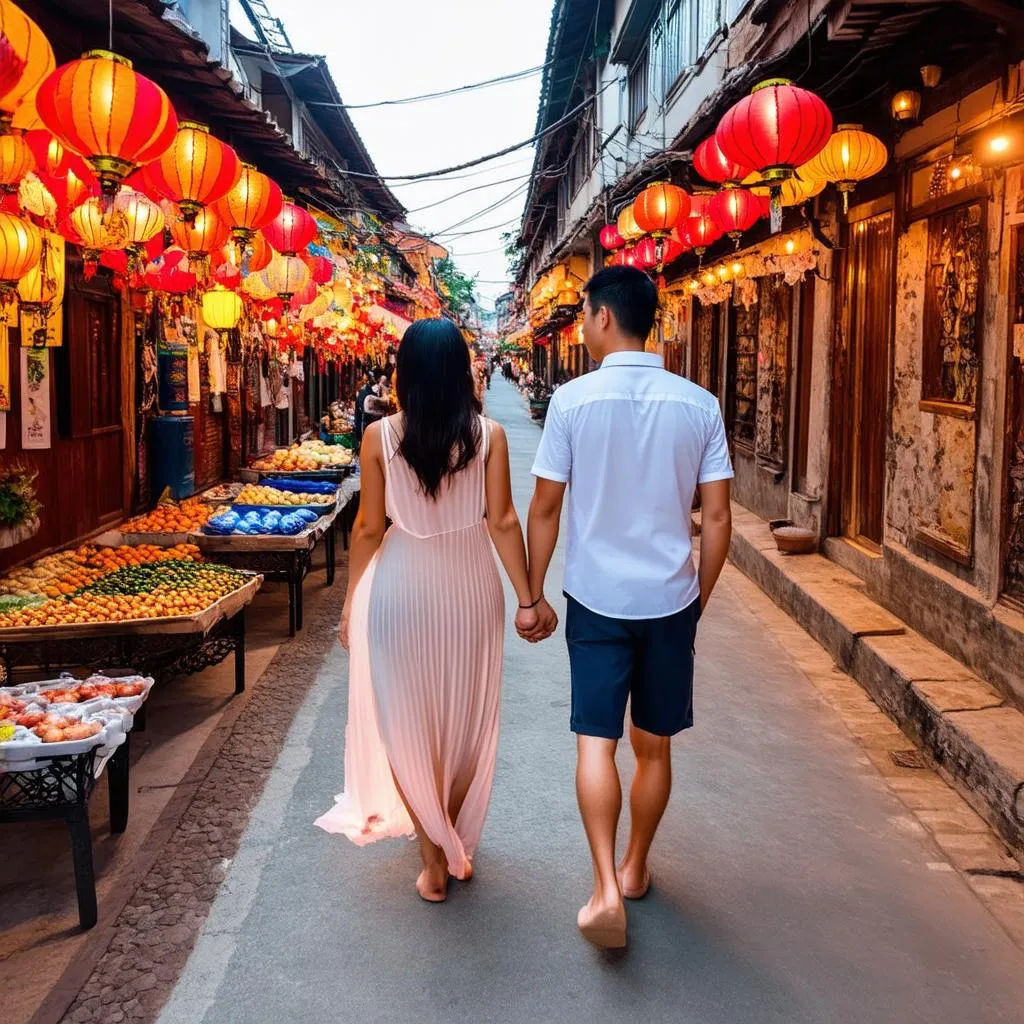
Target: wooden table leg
292,587
299,577
239,630
330,553
118,768
81,853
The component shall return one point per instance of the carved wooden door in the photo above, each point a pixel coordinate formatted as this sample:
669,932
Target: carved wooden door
1013,577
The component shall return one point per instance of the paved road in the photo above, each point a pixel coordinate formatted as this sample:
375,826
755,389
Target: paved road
787,886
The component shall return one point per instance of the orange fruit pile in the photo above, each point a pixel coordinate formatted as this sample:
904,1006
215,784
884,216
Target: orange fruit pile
187,515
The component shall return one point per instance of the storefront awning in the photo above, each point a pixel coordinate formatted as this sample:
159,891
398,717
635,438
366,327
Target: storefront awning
386,316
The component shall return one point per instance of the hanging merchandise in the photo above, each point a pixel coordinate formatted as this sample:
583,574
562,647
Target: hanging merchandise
775,130
35,398
40,294
197,169
26,58
21,246
735,210
252,203
291,230
712,165
169,273
116,118
850,155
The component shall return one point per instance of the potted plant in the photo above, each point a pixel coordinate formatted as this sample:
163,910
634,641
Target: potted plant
19,506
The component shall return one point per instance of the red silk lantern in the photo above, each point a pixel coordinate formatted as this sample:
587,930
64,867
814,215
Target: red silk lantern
610,238
645,253
116,118
196,170
659,208
303,297
699,202
700,232
712,165
50,154
291,230
655,253
320,267
774,130
251,203
735,210
629,256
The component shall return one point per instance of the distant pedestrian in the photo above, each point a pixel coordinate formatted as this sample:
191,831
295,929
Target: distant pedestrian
633,443
424,616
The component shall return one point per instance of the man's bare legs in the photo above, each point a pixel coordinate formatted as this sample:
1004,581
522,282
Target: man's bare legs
603,919
648,799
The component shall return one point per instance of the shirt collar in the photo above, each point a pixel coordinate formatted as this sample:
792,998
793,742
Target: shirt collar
633,359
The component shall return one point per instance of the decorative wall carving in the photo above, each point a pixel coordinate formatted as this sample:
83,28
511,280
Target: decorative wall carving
774,322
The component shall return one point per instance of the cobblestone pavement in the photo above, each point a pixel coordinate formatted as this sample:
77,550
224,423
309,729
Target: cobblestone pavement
796,875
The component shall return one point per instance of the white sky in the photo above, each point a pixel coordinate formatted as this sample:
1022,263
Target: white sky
388,49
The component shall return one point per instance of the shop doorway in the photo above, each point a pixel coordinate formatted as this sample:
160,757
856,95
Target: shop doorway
860,383
1013,519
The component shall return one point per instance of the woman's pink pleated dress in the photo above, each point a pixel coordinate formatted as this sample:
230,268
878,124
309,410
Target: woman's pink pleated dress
426,645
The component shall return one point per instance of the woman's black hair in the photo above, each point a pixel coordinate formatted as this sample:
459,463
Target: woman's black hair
441,434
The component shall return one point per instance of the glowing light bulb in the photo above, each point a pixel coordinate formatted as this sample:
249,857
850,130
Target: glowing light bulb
790,246
1000,144
737,268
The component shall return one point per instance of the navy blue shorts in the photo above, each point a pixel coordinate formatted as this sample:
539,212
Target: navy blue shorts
648,661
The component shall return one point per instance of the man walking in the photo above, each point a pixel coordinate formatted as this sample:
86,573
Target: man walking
633,443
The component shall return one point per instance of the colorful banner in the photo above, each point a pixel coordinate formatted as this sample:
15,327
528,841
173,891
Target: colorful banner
5,371
35,398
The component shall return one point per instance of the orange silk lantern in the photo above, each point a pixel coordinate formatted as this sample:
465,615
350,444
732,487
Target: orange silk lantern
659,207
143,219
700,232
205,235
21,246
16,160
252,203
116,118
26,58
291,230
197,169
50,156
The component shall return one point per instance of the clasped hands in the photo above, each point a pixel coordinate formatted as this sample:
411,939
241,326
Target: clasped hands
536,623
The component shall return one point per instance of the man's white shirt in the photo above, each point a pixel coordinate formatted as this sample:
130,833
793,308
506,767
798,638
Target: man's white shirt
632,441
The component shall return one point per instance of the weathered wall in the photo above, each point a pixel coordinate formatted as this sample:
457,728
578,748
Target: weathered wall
757,488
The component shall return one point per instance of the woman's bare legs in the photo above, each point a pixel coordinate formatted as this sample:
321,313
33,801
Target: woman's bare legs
432,883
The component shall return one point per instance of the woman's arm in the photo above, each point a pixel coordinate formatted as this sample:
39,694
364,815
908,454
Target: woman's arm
370,524
503,523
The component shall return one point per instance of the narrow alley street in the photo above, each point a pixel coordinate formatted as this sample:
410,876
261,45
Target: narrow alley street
790,882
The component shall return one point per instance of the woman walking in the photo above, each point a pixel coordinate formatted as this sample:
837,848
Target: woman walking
424,616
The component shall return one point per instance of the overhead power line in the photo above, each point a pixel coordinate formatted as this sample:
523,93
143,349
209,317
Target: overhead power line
516,76
550,130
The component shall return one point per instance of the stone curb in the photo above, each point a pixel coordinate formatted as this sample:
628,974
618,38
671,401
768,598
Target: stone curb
974,739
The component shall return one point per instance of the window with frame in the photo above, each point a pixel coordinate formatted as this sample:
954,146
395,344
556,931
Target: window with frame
638,90
678,41
707,18
656,64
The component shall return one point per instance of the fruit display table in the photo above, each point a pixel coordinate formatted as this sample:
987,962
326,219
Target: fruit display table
163,645
45,776
282,557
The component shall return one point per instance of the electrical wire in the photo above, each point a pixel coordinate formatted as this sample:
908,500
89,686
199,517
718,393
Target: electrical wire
518,190
466,191
515,76
422,176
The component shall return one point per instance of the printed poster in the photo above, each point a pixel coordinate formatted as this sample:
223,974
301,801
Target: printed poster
35,398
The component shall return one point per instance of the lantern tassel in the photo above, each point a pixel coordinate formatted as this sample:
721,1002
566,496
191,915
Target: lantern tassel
846,201
776,209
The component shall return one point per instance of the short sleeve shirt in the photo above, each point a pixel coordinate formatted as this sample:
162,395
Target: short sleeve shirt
632,441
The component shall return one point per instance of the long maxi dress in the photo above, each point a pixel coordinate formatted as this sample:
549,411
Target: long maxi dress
426,645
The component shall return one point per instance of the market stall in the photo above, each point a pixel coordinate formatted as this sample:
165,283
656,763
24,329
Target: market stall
274,530
162,611
56,739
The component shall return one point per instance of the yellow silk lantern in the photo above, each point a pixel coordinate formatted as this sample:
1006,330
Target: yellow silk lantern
222,309
627,225
16,160
286,275
850,155
40,293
